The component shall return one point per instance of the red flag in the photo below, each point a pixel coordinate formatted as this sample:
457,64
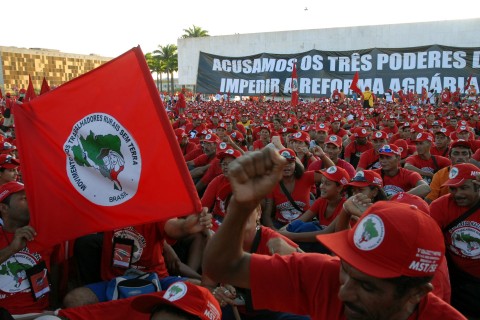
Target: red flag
294,86
30,91
45,86
1,95
108,154
354,85
468,83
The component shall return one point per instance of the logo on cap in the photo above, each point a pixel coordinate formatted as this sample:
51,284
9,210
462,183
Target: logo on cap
359,174
364,131
332,170
369,233
223,145
229,151
208,136
176,291
297,135
378,134
453,173
419,136
333,138
103,160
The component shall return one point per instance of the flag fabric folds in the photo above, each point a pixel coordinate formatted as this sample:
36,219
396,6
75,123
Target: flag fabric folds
45,87
354,85
30,91
294,86
99,153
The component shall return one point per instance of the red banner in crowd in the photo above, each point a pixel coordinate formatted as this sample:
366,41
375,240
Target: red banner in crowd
30,91
294,86
45,87
354,85
99,153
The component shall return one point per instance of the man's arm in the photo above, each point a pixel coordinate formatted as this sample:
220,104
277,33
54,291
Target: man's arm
421,189
252,177
421,172
19,241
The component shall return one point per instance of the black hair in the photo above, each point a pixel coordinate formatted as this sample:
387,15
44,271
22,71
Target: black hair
299,170
381,195
174,311
2,169
403,284
7,199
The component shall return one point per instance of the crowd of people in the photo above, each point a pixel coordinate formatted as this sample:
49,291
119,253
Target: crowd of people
339,207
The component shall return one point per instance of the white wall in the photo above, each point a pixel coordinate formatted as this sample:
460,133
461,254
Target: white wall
456,33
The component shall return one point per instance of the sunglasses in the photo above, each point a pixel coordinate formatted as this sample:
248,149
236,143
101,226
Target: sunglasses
288,156
387,150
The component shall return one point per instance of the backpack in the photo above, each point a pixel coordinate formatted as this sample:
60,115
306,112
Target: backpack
133,283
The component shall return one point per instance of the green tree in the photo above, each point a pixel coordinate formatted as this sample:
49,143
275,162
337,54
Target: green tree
155,66
195,32
168,57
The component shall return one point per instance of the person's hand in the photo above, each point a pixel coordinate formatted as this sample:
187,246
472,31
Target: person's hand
277,142
21,237
356,205
225,294
318,151
255,174
198,222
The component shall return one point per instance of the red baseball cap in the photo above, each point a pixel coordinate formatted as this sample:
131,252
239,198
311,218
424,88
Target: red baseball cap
8,162
288,154
359,132
371,246
6,147
444,131
322,127
195,300
454,144
9,188
424,136
411,199
211,137
389,150
460,173
300,136
237,135
225,150
335,140
379,135
366,178
463,128
336,174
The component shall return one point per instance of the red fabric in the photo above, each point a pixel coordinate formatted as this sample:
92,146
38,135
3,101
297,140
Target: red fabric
320,207
428,165
315,293
45,87
354,85
115,309
355,148
369,160
294,87
318,165
30,91
284,210
403,181
211,195
214,170
15,292
82,112
464,254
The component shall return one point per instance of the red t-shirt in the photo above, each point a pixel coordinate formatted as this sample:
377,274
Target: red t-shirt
369,160
403,181
214,170
148,250
390,131
213,198
284,210
355,148
198,151
462,241
15,293
304,292
434,151
341,132
267,235
258,145
187,148
319,207
202,160
428,165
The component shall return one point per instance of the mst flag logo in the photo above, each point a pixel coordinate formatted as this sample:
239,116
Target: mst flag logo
103,160
369,233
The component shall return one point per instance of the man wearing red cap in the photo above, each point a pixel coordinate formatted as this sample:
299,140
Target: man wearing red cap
376,281
200,165
423,162
458,215
8,168
15,257
369,159
333,148
359,145
397,179
442,140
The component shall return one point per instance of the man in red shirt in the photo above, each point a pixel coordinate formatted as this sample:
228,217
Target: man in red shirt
442,140
462,235
333,148
359,145
397,179
367,271
369,159
423,162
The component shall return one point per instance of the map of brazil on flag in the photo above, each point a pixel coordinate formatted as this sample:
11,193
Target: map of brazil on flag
99,153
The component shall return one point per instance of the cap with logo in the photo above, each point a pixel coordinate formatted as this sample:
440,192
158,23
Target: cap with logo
225,150
335,140
411,199
402,147
366,178
370,246
6,147
461,143
463,128
8,162
424,136
322,127
211,137
237,135
288,154
380,135
336,174
460,173
389,150
9,188
360,132
185,296
301,136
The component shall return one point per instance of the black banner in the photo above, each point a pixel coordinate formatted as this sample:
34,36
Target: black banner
320,72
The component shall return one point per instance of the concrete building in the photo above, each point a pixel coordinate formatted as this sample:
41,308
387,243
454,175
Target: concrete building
16,64
456,33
